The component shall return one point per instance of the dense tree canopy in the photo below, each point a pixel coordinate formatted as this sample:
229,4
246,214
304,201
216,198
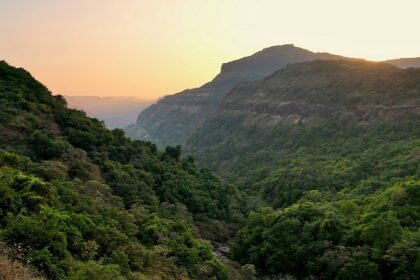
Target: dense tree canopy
88,203
333,149
334,197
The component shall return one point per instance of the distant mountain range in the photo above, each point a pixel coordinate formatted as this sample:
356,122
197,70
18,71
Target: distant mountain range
174,118
114,111
405,62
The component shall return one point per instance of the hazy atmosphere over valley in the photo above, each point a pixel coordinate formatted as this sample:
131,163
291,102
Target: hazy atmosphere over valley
241,140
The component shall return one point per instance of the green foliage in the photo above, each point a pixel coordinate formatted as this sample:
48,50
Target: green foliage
338,239
84,202
45,146
333,147
173,152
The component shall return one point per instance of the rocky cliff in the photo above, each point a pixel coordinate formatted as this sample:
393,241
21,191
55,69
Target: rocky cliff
352,95
171,120
174,118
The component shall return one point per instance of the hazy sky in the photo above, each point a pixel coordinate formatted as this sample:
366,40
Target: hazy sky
150,48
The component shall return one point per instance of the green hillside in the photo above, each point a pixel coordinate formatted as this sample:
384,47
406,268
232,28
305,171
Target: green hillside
79,201
325,156
332,148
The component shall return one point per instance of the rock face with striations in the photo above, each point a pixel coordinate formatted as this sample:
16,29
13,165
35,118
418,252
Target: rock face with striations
175,117
353,95
171,120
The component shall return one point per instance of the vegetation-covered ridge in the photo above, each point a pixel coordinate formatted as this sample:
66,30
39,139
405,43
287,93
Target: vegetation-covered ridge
175,117
85,202
329,154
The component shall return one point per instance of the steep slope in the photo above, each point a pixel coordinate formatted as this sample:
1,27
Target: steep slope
334,148
304,96
116,112
171,120
84,202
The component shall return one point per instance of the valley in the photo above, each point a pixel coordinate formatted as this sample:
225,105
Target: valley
302,145
116,112
308,172
209,140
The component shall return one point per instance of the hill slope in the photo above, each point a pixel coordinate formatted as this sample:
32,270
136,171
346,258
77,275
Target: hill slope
302,97
334,148
172,119
84,202
116,112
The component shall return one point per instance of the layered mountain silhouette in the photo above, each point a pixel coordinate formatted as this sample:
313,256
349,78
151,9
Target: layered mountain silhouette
172,120
114,111
405,62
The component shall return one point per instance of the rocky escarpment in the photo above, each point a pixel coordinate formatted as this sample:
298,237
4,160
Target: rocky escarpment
347,94
171,120
322,90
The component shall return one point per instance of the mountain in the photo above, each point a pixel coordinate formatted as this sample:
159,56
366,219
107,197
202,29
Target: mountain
405,62
303,96
328,153
114,111
173,118
79,201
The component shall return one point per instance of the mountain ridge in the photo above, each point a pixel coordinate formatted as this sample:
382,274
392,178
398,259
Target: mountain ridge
310,93
324,150
174,118
404,63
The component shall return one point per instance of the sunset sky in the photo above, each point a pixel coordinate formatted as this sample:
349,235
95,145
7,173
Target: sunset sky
157,47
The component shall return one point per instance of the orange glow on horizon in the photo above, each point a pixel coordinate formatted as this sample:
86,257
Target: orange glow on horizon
152,48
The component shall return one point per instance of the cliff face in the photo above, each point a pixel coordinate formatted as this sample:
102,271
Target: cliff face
352,95
313,92
174,118
171,120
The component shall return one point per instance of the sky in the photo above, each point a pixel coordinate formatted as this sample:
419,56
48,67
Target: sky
151,48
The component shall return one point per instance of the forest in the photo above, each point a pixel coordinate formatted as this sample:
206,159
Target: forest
327,154
79,201
335,198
